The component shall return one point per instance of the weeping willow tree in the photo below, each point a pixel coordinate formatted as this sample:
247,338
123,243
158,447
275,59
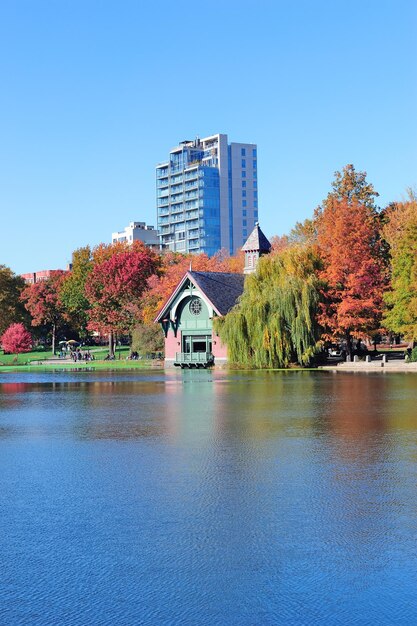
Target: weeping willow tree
274,323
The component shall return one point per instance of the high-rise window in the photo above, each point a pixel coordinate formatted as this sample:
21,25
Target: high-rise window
243,152
243,162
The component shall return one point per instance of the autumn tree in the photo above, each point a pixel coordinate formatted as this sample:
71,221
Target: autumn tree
12,309
16,339
350,185
400,231
355,268
42,300
72,292
115,286
274,323
347,185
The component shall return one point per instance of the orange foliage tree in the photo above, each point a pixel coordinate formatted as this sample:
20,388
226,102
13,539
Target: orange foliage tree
355,269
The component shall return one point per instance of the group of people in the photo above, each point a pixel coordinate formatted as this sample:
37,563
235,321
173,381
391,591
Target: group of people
77,355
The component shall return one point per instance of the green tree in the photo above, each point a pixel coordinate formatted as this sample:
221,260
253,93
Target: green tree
400,231
303,233
11,307
72,292
147,338
274,323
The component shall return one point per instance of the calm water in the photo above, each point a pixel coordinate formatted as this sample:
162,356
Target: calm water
208,498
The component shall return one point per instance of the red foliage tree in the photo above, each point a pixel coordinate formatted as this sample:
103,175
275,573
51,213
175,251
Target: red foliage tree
116,285
16,339
354,271
44,305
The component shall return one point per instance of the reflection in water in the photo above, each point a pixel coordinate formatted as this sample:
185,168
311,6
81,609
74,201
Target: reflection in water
208,498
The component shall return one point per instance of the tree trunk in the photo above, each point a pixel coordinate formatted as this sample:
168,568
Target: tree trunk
348,347
111,344
53,338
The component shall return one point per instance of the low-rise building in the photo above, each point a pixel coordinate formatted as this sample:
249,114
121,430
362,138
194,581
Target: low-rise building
187,316
138,231
37,277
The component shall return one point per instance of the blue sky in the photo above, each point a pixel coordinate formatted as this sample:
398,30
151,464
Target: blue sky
95,93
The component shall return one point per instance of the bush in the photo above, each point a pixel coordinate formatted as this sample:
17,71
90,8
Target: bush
147,338
16,339
413,355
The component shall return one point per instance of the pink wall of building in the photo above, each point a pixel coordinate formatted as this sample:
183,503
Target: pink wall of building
219,349
171,344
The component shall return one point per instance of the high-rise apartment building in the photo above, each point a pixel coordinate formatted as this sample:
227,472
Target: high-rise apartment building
207,195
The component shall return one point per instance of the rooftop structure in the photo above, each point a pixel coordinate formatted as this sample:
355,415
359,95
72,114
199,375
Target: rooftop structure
255,246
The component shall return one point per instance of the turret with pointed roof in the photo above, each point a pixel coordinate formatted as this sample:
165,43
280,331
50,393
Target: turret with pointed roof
256,245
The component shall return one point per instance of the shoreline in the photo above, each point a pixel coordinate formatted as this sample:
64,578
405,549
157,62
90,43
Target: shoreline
361,366
373,366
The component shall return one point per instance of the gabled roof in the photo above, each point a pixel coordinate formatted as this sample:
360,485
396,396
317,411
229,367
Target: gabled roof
220,288
257,241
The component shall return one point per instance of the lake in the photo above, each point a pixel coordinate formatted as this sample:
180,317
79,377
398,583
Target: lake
208,497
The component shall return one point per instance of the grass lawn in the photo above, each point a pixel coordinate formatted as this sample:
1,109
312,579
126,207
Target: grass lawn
83,365
38,359
25,357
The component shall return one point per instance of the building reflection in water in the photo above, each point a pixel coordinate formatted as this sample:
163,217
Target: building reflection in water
297,478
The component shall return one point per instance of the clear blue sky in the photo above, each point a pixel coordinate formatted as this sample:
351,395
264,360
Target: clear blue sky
95,93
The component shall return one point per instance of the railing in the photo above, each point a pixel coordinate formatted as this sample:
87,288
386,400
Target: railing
194,358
